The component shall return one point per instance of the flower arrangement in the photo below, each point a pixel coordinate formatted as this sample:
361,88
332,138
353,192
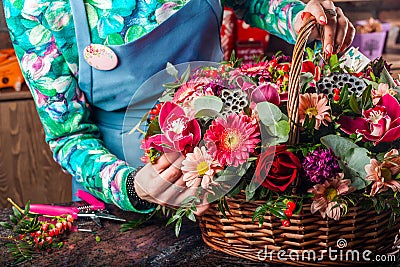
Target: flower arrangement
230,122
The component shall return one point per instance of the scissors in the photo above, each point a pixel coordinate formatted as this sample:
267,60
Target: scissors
95,209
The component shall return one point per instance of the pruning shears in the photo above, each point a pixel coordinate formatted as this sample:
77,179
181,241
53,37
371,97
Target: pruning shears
95,209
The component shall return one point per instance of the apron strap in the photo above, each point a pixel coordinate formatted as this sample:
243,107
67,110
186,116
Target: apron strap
216,6
83,39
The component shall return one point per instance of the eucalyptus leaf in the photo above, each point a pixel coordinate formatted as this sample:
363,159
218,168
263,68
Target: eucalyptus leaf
269,113
165,98
338,144
356,159
207,113
208,103
171,70
281,130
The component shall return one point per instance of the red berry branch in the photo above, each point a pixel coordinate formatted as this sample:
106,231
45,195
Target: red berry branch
32,234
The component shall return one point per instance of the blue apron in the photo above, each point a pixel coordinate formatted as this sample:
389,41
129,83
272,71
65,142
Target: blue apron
191,34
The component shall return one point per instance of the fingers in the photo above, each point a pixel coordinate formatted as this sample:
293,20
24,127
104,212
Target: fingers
345,32
175,194
165,161
152,180
330,28
168,177
342,28
163,184
316,9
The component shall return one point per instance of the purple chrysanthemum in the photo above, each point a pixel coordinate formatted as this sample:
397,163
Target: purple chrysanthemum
216,88
321,165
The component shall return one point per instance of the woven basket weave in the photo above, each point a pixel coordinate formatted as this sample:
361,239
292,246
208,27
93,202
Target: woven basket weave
237,235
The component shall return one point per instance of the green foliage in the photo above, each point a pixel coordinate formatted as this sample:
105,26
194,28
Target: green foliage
21,223
352,158
187,209
275,205
208,106
125,227
275,122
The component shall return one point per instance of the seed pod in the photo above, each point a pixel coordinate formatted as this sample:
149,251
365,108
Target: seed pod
338,80
234,101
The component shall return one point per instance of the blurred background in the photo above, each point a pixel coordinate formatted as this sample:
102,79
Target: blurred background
27,169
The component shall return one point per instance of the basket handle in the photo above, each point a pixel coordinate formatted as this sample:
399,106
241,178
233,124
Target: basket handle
294,79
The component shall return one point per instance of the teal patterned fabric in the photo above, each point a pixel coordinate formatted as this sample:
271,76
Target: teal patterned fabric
43,35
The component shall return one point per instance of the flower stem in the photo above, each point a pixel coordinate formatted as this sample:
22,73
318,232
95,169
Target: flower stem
15,205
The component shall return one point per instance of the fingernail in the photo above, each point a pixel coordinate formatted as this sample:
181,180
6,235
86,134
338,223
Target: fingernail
305,16
329,49
322,20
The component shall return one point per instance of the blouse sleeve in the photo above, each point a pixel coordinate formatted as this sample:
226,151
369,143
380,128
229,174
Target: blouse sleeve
44,41
275,16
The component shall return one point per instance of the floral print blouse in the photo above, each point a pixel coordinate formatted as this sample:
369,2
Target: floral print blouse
43,35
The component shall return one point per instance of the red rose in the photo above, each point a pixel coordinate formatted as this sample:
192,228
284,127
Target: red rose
277,168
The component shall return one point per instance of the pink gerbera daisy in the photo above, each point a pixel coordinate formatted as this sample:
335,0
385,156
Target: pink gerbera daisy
254,69
192,89
199,164
314,106
230,141
325,196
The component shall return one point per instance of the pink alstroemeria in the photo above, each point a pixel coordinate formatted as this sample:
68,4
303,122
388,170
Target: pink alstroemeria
382,90
378,124
179,133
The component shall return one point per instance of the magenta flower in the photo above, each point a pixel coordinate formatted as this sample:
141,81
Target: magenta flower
321,165
265,92
230,141
378,124
256,69
179,133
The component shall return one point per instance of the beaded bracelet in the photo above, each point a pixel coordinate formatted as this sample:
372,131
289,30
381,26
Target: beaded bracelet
136,201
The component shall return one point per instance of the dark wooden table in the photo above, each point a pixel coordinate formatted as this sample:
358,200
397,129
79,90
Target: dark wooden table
152,244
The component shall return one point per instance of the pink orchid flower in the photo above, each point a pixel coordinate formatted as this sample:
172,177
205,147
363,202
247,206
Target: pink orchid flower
179,133
378,124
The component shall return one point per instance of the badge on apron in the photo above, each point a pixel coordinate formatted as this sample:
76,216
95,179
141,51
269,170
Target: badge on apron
100,57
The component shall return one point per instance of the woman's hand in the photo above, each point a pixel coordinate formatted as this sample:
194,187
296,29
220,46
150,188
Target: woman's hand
162,183
338,31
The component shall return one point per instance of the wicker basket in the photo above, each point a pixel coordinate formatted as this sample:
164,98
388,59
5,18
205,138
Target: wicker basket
237,235
356,233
